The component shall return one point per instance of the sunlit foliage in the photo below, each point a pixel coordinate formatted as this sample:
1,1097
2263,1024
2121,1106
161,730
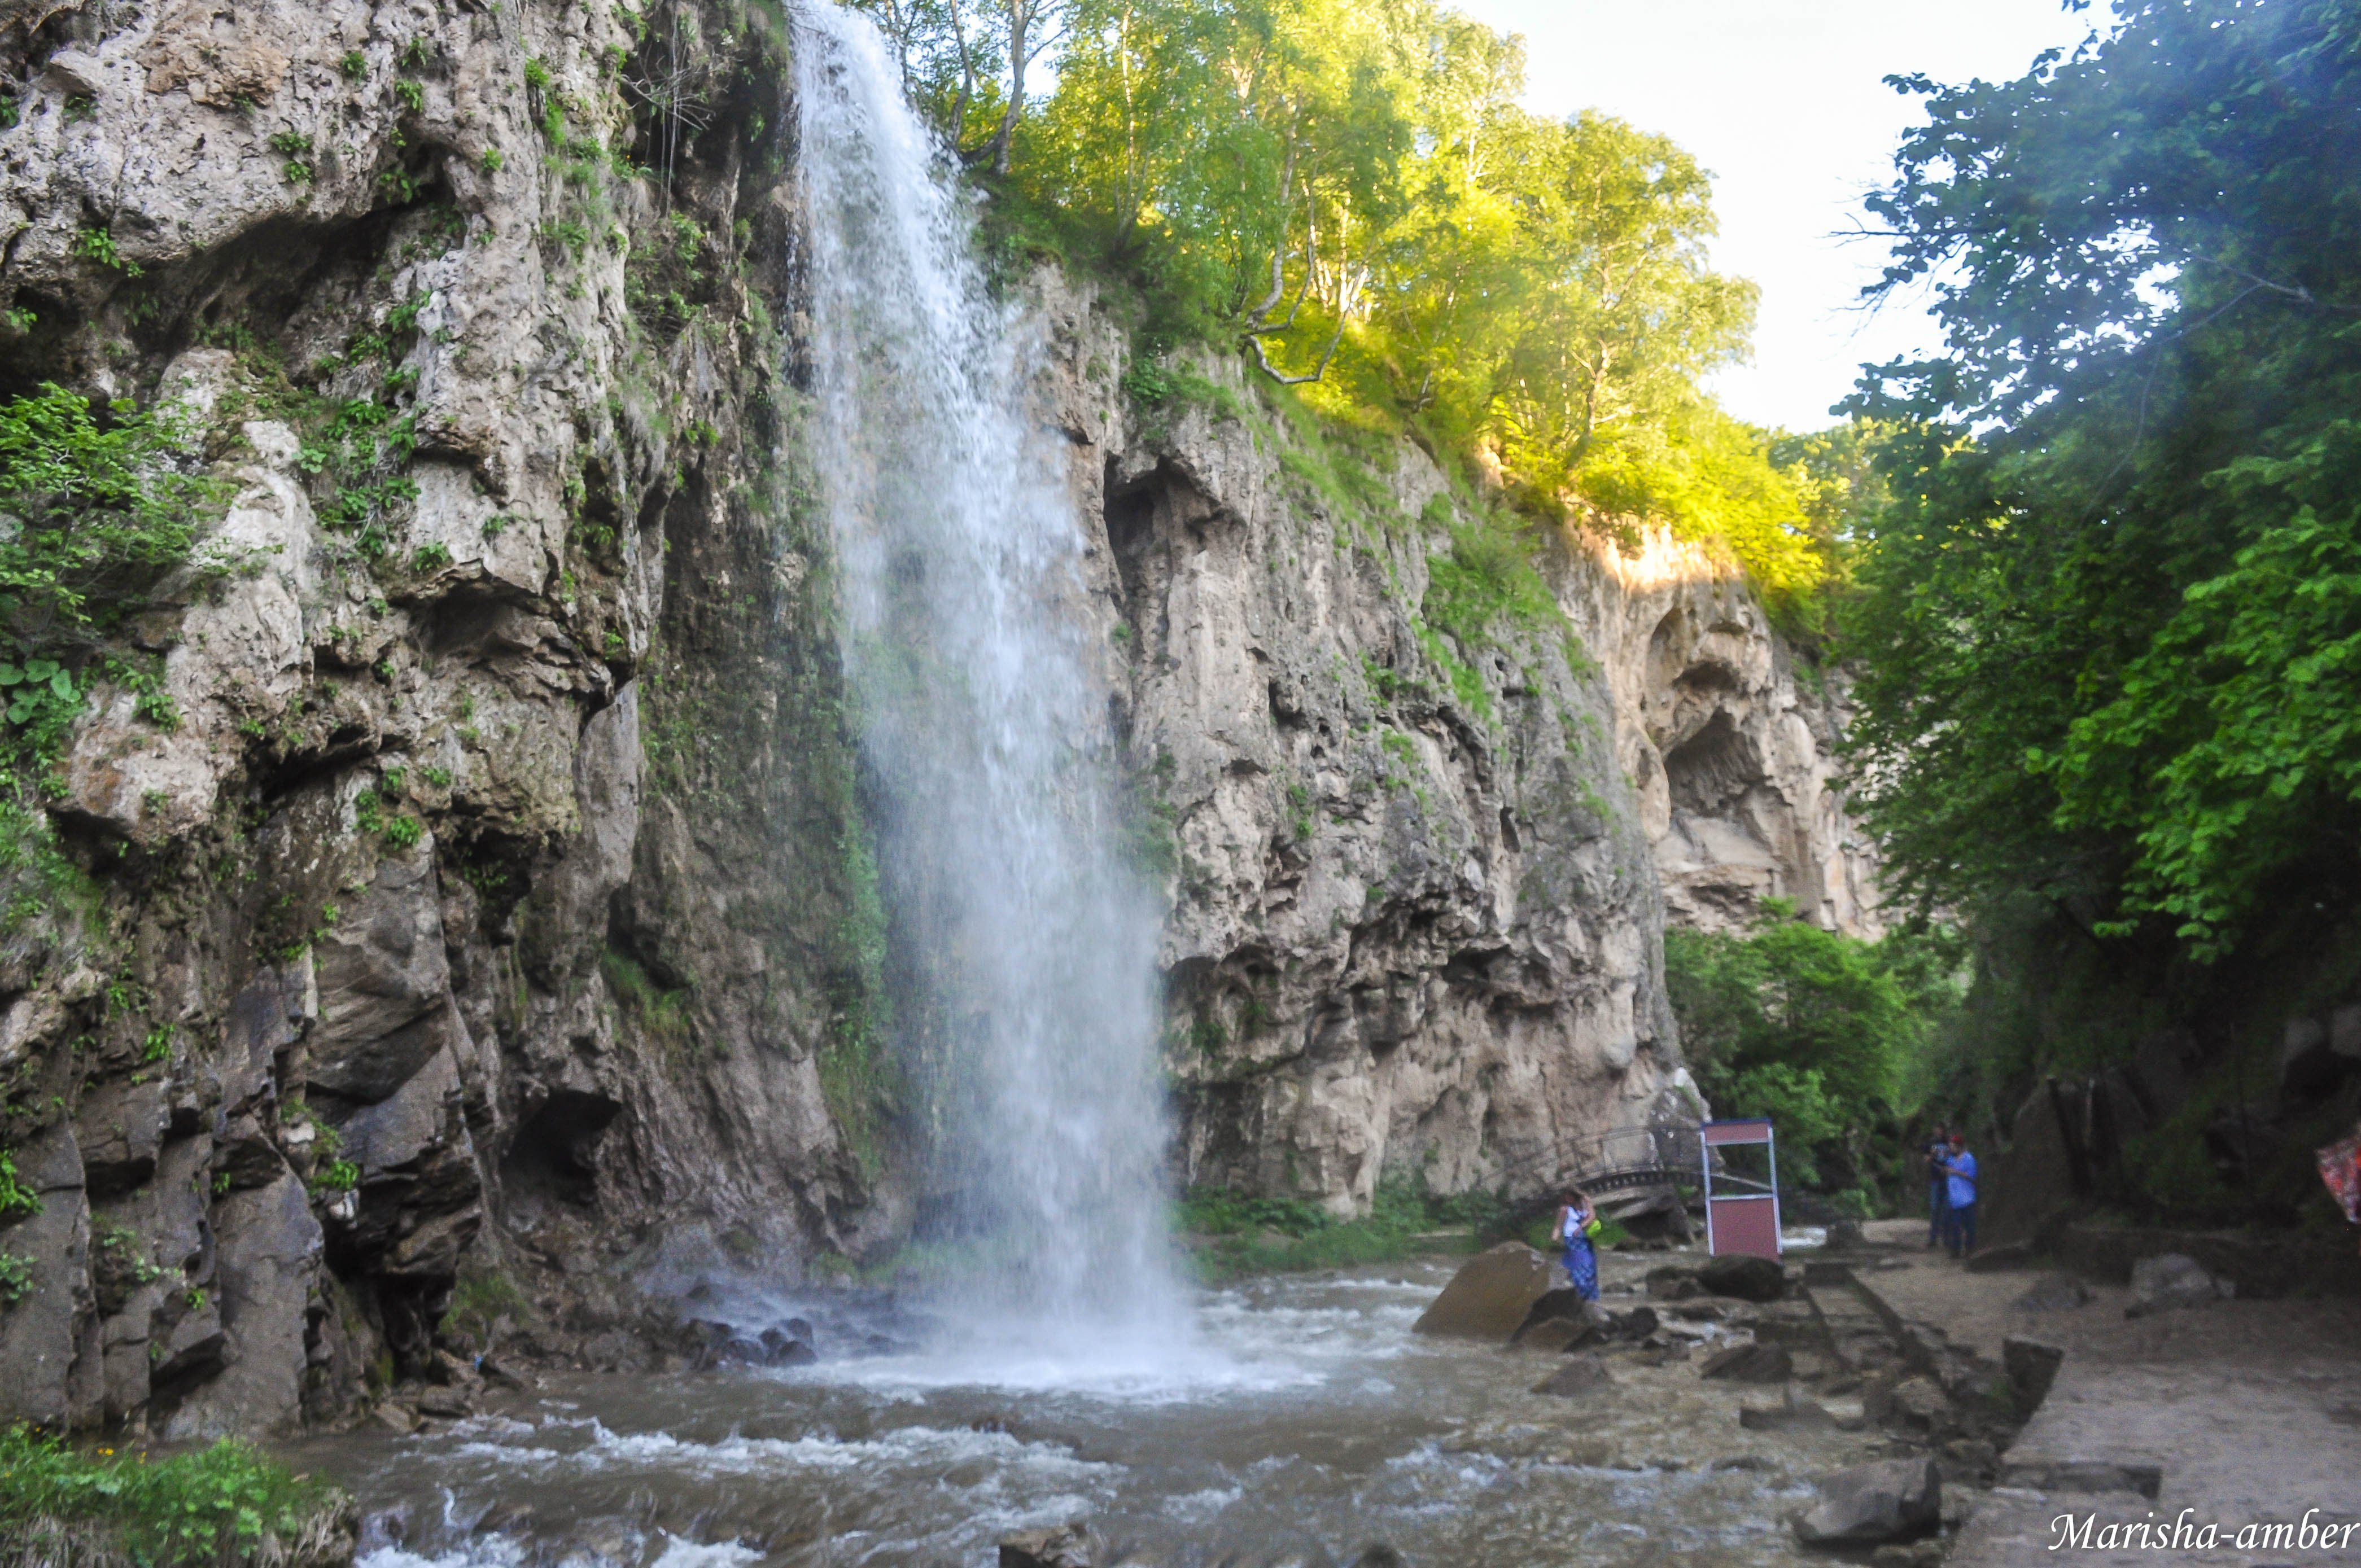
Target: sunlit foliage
1348,192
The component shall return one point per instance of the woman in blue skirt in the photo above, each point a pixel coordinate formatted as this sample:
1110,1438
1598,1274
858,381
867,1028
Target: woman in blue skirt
1576,1222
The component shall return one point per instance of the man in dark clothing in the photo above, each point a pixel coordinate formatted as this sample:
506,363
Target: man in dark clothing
1939,1198
1960,1171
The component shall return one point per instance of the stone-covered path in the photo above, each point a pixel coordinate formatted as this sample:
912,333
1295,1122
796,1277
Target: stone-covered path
2243,1414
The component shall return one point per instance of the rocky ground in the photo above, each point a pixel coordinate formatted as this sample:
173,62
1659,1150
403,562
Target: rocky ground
2241,1412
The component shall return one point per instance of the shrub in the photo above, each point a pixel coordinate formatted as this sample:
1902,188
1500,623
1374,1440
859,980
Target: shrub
98,509
227,1504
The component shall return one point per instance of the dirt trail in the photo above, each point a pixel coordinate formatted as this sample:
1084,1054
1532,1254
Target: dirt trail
2245,1413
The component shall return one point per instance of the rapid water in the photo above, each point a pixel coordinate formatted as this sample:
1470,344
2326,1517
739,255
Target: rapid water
1023,946
1331,1427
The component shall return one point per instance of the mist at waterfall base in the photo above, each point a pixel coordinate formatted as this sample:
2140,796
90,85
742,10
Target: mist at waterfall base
1024,944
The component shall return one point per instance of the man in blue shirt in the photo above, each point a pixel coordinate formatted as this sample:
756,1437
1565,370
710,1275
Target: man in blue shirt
1959,1169
1938,1195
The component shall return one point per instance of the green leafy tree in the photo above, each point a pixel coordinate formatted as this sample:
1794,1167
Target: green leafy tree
1348,192
2111,617
1823,1032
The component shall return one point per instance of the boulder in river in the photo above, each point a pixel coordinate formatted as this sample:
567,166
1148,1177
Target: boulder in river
1744,1276
1554,1335
2173,1279
1067,1546
1897,1499
1749,1363
1581,1375
1491,1294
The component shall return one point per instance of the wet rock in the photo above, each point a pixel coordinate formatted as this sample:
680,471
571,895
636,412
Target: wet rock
1636,1325
1897,1499
447,1404
497,1371
1674,1283
1845,1235
1749,1363
2172,1280
1553,1334
782,1347
1067,1546
2053,1293
1915,1554
384,1527
1748,1277
1912,1404
1491,1294
616,1351
1581,1375
1380,1557
1676,1353
2031,1366
1563,1306
396,1417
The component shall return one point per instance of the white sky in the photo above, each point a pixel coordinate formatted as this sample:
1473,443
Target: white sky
1784,101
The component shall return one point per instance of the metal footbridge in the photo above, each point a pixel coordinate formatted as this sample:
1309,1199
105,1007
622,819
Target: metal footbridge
1657,1160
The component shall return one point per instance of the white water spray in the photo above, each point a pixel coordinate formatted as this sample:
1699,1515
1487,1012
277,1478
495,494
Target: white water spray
1027,945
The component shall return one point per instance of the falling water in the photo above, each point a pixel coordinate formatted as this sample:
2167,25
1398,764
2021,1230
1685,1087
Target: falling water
1026,943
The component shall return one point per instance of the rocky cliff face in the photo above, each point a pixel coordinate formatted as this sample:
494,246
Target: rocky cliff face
480,896
484,926
1424,843
1728,739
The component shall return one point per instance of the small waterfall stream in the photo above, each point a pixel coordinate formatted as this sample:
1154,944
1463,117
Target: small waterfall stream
1026,943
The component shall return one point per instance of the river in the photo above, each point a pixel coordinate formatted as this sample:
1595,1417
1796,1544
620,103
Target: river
1305,1423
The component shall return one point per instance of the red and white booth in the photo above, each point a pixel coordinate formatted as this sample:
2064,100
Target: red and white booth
1741,1210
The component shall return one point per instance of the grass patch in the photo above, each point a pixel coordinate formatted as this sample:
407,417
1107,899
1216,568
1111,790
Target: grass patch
1234,1235
661,1013
228,1504
479,1301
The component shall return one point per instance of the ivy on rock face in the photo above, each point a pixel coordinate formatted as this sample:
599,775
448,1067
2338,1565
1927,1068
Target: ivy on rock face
97,503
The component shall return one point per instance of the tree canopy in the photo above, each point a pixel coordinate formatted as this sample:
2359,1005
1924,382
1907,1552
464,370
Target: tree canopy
2112,619
1347,192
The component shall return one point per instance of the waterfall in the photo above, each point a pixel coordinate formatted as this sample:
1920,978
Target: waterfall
1025,943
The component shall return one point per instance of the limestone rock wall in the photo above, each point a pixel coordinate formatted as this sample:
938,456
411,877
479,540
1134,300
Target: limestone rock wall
1728,738
472,913
1416,929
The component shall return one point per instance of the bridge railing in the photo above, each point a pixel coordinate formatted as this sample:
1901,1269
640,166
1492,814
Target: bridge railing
1665,1152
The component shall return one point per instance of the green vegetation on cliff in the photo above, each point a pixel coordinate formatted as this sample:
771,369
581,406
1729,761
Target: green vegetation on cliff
1348,192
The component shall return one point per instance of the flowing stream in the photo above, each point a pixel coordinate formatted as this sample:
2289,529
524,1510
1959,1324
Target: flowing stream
1314,1425
1287,1422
